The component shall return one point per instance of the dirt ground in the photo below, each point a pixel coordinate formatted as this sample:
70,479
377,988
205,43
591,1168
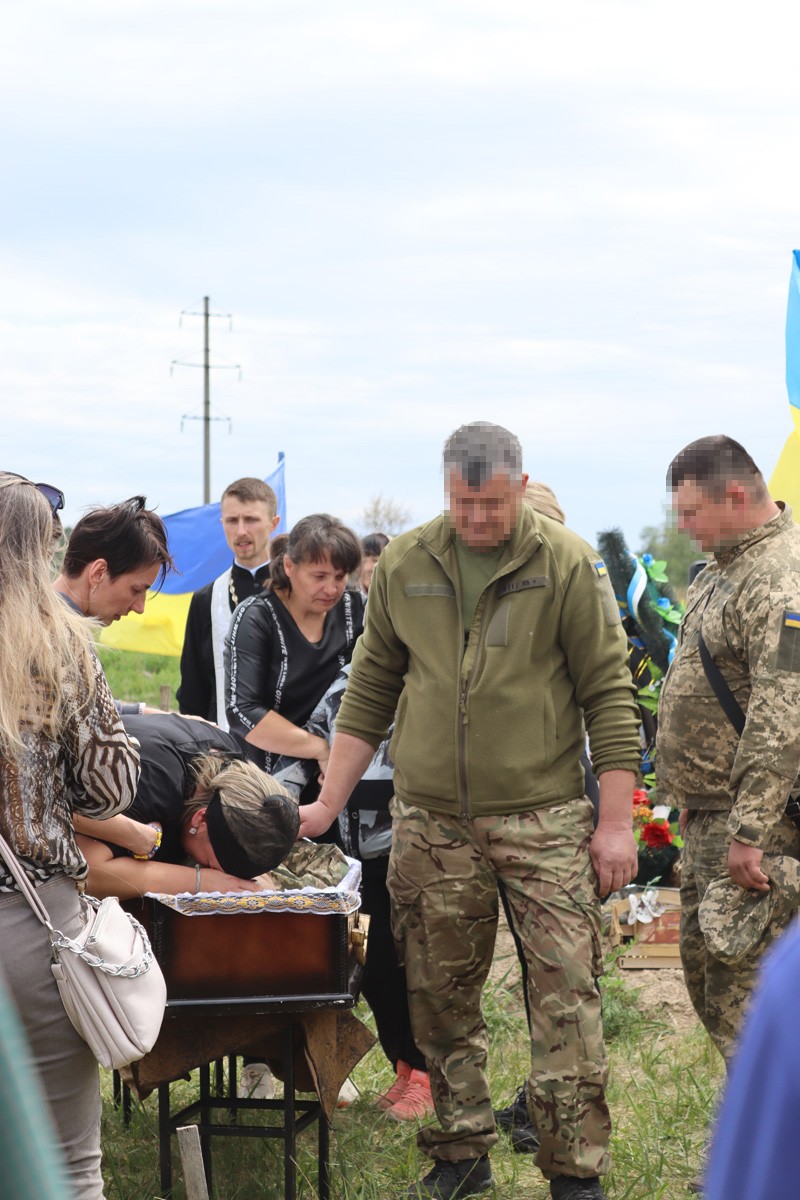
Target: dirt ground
662,992
663,996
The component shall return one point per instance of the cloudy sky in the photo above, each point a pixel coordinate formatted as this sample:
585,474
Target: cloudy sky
575,219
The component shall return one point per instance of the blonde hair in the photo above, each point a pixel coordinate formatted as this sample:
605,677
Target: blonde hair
252,822
46,658
543,499
239,783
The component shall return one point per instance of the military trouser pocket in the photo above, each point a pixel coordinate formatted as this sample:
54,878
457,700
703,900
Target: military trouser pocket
592,918
584,894
405,897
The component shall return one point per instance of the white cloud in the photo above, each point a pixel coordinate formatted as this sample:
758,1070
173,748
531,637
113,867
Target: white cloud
185,60
575,219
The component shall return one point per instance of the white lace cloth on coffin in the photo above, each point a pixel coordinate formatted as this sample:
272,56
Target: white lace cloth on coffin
344,898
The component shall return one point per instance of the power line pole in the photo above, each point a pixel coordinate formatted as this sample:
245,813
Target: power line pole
206,417
206,408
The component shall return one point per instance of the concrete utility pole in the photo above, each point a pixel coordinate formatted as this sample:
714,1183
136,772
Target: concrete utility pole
206,408
206,417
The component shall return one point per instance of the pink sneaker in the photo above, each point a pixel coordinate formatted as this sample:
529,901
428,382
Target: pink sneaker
397,1089
416,1101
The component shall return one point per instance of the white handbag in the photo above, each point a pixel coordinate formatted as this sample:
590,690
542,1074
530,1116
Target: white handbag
111,986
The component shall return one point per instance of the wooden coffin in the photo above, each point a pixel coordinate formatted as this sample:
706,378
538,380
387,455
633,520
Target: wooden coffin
249,955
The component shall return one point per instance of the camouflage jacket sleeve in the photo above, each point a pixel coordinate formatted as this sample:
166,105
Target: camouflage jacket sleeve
768,754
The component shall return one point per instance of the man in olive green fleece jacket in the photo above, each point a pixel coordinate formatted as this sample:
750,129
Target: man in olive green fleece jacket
494,634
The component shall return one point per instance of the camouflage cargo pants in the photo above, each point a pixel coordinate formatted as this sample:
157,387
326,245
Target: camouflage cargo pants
720,993
443,877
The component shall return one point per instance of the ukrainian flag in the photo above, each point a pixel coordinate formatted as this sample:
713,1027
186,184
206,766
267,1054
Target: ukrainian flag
785,481
198,547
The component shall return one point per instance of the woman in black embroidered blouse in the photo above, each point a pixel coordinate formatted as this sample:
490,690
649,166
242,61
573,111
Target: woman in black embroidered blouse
286,646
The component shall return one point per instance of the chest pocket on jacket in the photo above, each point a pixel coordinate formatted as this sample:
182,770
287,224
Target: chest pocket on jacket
497,631
721,633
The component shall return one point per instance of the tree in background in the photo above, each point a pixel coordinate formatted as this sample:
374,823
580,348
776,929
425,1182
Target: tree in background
384,515
666,543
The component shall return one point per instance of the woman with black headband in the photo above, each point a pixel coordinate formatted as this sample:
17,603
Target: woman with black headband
198,797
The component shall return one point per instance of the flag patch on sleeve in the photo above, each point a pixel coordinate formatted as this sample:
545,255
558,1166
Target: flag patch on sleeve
607,597
788,656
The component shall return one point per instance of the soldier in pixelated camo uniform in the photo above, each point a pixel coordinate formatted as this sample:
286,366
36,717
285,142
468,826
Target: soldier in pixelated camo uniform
494,632
734,790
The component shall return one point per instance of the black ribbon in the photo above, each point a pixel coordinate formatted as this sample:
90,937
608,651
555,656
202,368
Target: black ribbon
231,856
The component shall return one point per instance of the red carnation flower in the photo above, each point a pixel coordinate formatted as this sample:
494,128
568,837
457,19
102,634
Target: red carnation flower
657,833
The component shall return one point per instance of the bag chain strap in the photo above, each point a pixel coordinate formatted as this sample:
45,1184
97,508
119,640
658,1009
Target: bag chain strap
60,941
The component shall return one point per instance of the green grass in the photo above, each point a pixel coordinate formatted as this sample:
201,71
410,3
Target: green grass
133,676
662,1096
662,1091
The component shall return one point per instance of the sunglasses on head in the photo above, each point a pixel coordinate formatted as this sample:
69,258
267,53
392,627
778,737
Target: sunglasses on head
53,495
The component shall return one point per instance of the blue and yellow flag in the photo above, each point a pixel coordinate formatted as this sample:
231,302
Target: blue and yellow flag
785,481
198,547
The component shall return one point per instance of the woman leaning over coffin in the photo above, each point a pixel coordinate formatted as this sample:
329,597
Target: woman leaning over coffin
62,748
286,646
198,798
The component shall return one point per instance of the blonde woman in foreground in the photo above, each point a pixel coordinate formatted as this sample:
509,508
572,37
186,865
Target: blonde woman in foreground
62,749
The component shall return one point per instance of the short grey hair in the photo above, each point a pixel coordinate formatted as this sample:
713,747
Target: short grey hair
479,450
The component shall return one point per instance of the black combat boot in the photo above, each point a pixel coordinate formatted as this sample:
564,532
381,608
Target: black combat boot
452,1180
515,1115
569,1187
516,1120
525,1139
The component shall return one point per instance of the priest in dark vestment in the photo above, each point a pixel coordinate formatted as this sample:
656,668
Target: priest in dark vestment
249,516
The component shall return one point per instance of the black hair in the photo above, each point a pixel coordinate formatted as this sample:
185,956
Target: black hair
373,543
127,535
313,539
712,462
